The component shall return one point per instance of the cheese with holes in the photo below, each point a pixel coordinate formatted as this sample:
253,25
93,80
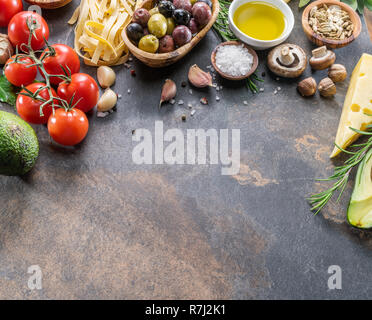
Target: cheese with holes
357,103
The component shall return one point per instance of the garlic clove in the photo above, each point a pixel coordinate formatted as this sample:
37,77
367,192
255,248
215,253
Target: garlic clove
199,78
107,101
168,92
106,76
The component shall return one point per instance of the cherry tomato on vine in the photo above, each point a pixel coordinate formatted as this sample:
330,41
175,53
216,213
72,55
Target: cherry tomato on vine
85,89
63,56
20,73
68,128
8,8
29,108
18,30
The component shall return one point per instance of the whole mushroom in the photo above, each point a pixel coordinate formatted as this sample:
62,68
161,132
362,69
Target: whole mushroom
322,58
287,60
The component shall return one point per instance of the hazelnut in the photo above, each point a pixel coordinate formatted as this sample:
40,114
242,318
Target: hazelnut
337,73
307,87
327,88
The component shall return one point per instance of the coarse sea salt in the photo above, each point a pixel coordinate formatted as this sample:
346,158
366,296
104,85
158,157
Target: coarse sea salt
234,60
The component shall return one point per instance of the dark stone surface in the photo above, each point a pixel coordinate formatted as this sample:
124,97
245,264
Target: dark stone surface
100,226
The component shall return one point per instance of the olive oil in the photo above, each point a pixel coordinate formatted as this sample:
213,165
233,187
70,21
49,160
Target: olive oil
260,20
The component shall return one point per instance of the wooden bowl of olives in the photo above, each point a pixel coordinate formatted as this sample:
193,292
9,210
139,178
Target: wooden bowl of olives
163,32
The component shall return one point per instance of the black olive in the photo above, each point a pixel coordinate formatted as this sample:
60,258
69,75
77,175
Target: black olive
208,2
181,17
166,8
135,32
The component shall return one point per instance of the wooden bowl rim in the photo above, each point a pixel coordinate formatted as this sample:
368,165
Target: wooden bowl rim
47,4
180,50
344,6
236,43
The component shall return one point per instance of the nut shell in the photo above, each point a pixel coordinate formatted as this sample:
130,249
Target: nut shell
327,88
307,87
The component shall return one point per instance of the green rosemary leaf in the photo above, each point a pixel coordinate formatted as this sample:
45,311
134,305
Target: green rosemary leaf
366,133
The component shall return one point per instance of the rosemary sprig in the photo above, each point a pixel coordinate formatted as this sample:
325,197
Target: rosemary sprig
250,83
221,27
341,173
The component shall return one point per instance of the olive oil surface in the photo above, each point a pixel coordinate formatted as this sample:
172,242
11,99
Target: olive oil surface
260,20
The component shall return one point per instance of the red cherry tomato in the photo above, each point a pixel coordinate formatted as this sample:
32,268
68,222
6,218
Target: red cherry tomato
19,32
64,56
20,73
85,89
68,128
8,8
29,109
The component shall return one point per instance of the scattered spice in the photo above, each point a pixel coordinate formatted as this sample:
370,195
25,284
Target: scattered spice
133,72
183,117
331,22
204,101
183,84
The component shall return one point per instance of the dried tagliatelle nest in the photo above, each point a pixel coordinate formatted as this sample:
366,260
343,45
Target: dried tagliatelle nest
98,30
331,22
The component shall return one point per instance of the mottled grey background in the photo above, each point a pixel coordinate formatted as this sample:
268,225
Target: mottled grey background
100,226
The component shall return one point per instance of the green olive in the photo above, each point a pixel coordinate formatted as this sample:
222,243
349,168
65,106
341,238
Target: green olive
157,25
149,43
193,2
170,25
154,11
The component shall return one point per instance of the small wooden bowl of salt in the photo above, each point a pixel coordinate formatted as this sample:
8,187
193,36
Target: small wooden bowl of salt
234,60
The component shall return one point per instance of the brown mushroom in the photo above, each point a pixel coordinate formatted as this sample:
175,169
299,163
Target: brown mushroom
6,49
287,60
322,58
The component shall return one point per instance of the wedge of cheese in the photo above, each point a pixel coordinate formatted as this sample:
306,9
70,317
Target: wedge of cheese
357,103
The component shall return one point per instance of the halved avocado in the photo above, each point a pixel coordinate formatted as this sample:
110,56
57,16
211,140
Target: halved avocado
359,213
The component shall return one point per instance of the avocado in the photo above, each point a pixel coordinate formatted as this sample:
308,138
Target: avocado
19,147
359,213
